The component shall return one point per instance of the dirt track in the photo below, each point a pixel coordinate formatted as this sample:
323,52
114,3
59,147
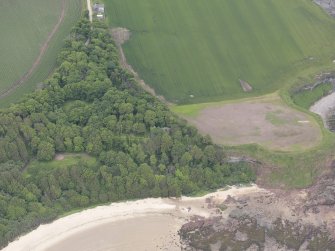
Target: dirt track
90,12
120,36
37,61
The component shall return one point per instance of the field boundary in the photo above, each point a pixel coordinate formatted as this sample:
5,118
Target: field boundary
37,61
120,36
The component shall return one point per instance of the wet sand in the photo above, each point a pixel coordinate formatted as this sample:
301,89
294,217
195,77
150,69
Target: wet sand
149,224
153,232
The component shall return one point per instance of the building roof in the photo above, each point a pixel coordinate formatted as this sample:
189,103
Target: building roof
99,7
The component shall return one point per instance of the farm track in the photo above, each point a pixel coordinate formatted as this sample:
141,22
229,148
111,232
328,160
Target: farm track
37,61
120,36
90,11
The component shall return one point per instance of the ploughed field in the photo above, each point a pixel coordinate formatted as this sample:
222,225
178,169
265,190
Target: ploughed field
25,30
194,51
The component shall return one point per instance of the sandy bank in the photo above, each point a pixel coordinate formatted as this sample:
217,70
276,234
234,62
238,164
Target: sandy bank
152,224
324,106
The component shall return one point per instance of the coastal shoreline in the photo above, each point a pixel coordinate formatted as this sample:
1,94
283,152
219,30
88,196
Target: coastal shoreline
45,237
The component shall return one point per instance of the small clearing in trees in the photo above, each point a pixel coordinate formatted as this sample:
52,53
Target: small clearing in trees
59,156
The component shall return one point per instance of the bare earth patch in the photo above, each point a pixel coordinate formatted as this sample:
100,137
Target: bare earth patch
267,123
59,156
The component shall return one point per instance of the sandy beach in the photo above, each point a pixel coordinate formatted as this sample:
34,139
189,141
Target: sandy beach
148,224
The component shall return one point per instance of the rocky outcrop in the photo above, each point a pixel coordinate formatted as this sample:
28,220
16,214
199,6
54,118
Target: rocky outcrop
199,224
327,5
245,233
268,220
322,194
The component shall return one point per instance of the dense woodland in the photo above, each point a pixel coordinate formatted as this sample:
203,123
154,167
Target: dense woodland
90,105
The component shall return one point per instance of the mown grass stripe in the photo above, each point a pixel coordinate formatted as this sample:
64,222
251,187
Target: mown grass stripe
183,47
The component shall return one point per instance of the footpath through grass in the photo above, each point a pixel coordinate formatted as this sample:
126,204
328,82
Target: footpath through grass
24,27
196,51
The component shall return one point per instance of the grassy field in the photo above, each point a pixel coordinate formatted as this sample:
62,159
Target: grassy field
24,27
296,167
202,48
264,120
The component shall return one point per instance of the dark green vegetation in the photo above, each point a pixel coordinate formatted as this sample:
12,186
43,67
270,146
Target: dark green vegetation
25,26
90,105
203,48
306,98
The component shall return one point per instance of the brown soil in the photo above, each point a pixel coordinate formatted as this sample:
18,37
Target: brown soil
37,61
273,125
59,156
120,36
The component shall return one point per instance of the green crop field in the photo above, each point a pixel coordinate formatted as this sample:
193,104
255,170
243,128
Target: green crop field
202,48
25,26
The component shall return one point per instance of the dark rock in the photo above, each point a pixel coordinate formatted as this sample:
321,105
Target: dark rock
229,200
